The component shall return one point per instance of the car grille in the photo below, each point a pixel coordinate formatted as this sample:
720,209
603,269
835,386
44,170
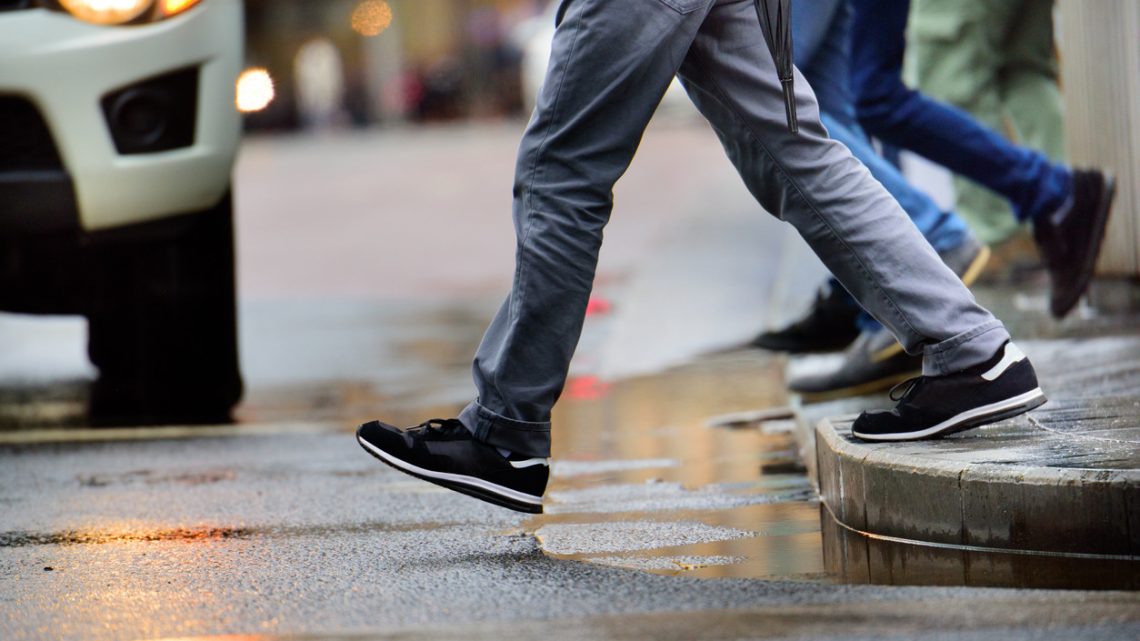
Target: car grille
11,5
25,140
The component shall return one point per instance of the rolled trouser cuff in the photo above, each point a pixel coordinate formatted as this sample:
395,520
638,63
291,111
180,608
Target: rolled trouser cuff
965,350
521,437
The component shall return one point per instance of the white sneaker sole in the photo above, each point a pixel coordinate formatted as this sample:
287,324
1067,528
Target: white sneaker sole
976,417
479,487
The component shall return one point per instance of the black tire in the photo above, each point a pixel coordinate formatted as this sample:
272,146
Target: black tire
163,322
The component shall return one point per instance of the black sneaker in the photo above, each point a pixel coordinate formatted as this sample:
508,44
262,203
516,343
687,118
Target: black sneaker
877,361
933,406
874,363
445,453
1070,240
828,326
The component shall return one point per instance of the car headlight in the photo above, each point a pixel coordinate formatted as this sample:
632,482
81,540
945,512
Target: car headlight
117,12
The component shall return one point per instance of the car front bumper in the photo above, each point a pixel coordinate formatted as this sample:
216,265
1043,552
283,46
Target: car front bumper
66,68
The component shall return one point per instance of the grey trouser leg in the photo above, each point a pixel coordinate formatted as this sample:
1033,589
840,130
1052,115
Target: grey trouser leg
814,183
611,63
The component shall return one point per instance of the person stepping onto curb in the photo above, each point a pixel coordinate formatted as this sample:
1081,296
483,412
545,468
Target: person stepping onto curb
610,65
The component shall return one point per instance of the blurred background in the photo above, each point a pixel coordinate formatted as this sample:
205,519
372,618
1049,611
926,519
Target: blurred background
372,200
356,63
372,241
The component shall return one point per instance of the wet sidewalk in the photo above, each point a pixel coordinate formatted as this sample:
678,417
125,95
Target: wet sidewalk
1050,499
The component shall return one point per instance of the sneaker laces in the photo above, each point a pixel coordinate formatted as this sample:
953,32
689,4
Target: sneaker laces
436,424
906,388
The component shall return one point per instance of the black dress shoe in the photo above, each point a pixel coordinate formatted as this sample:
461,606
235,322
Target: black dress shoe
828,326
1070,239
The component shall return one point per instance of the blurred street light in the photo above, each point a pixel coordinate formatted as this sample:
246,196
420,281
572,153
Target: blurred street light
254,90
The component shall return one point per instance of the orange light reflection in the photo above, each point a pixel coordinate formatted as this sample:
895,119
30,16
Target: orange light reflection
175,7
371,17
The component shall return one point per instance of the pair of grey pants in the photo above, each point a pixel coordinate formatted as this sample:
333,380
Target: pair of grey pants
611,64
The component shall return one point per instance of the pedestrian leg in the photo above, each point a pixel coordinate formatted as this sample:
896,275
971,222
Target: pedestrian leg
815,183
611,64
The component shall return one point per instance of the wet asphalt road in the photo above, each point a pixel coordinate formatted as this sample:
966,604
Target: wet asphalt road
282,527
296,531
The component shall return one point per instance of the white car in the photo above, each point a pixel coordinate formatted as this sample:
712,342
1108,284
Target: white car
118,135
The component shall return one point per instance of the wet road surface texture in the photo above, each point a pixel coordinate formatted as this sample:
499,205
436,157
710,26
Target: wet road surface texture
286,529
666,519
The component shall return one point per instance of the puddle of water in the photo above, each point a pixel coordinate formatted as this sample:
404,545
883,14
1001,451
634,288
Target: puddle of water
778,541
665,474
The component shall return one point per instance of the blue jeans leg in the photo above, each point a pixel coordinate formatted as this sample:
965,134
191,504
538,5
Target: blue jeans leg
822,29
822,32
942,229
890,110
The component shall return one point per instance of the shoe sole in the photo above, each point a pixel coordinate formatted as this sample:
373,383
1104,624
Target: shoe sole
970,419
469,485
798,351
862,389
1108,195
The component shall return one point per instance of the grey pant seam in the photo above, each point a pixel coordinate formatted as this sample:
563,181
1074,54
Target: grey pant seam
811,205
938,351
538,153
536,163
958,340
525,208
554,109
961,339
500,421
520,275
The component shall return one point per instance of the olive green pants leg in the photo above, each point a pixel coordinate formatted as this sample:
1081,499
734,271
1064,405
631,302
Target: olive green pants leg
1029,85
995,59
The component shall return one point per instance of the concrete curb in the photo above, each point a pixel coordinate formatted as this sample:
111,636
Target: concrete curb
953,515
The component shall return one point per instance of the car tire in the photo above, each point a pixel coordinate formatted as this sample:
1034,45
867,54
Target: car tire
163,322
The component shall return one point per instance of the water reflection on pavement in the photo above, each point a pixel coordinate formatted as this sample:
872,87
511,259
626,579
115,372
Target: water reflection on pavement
643,480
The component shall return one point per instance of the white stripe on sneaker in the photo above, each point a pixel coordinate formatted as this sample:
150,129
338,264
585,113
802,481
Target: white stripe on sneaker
1012,355
530,462
462,479
950,423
